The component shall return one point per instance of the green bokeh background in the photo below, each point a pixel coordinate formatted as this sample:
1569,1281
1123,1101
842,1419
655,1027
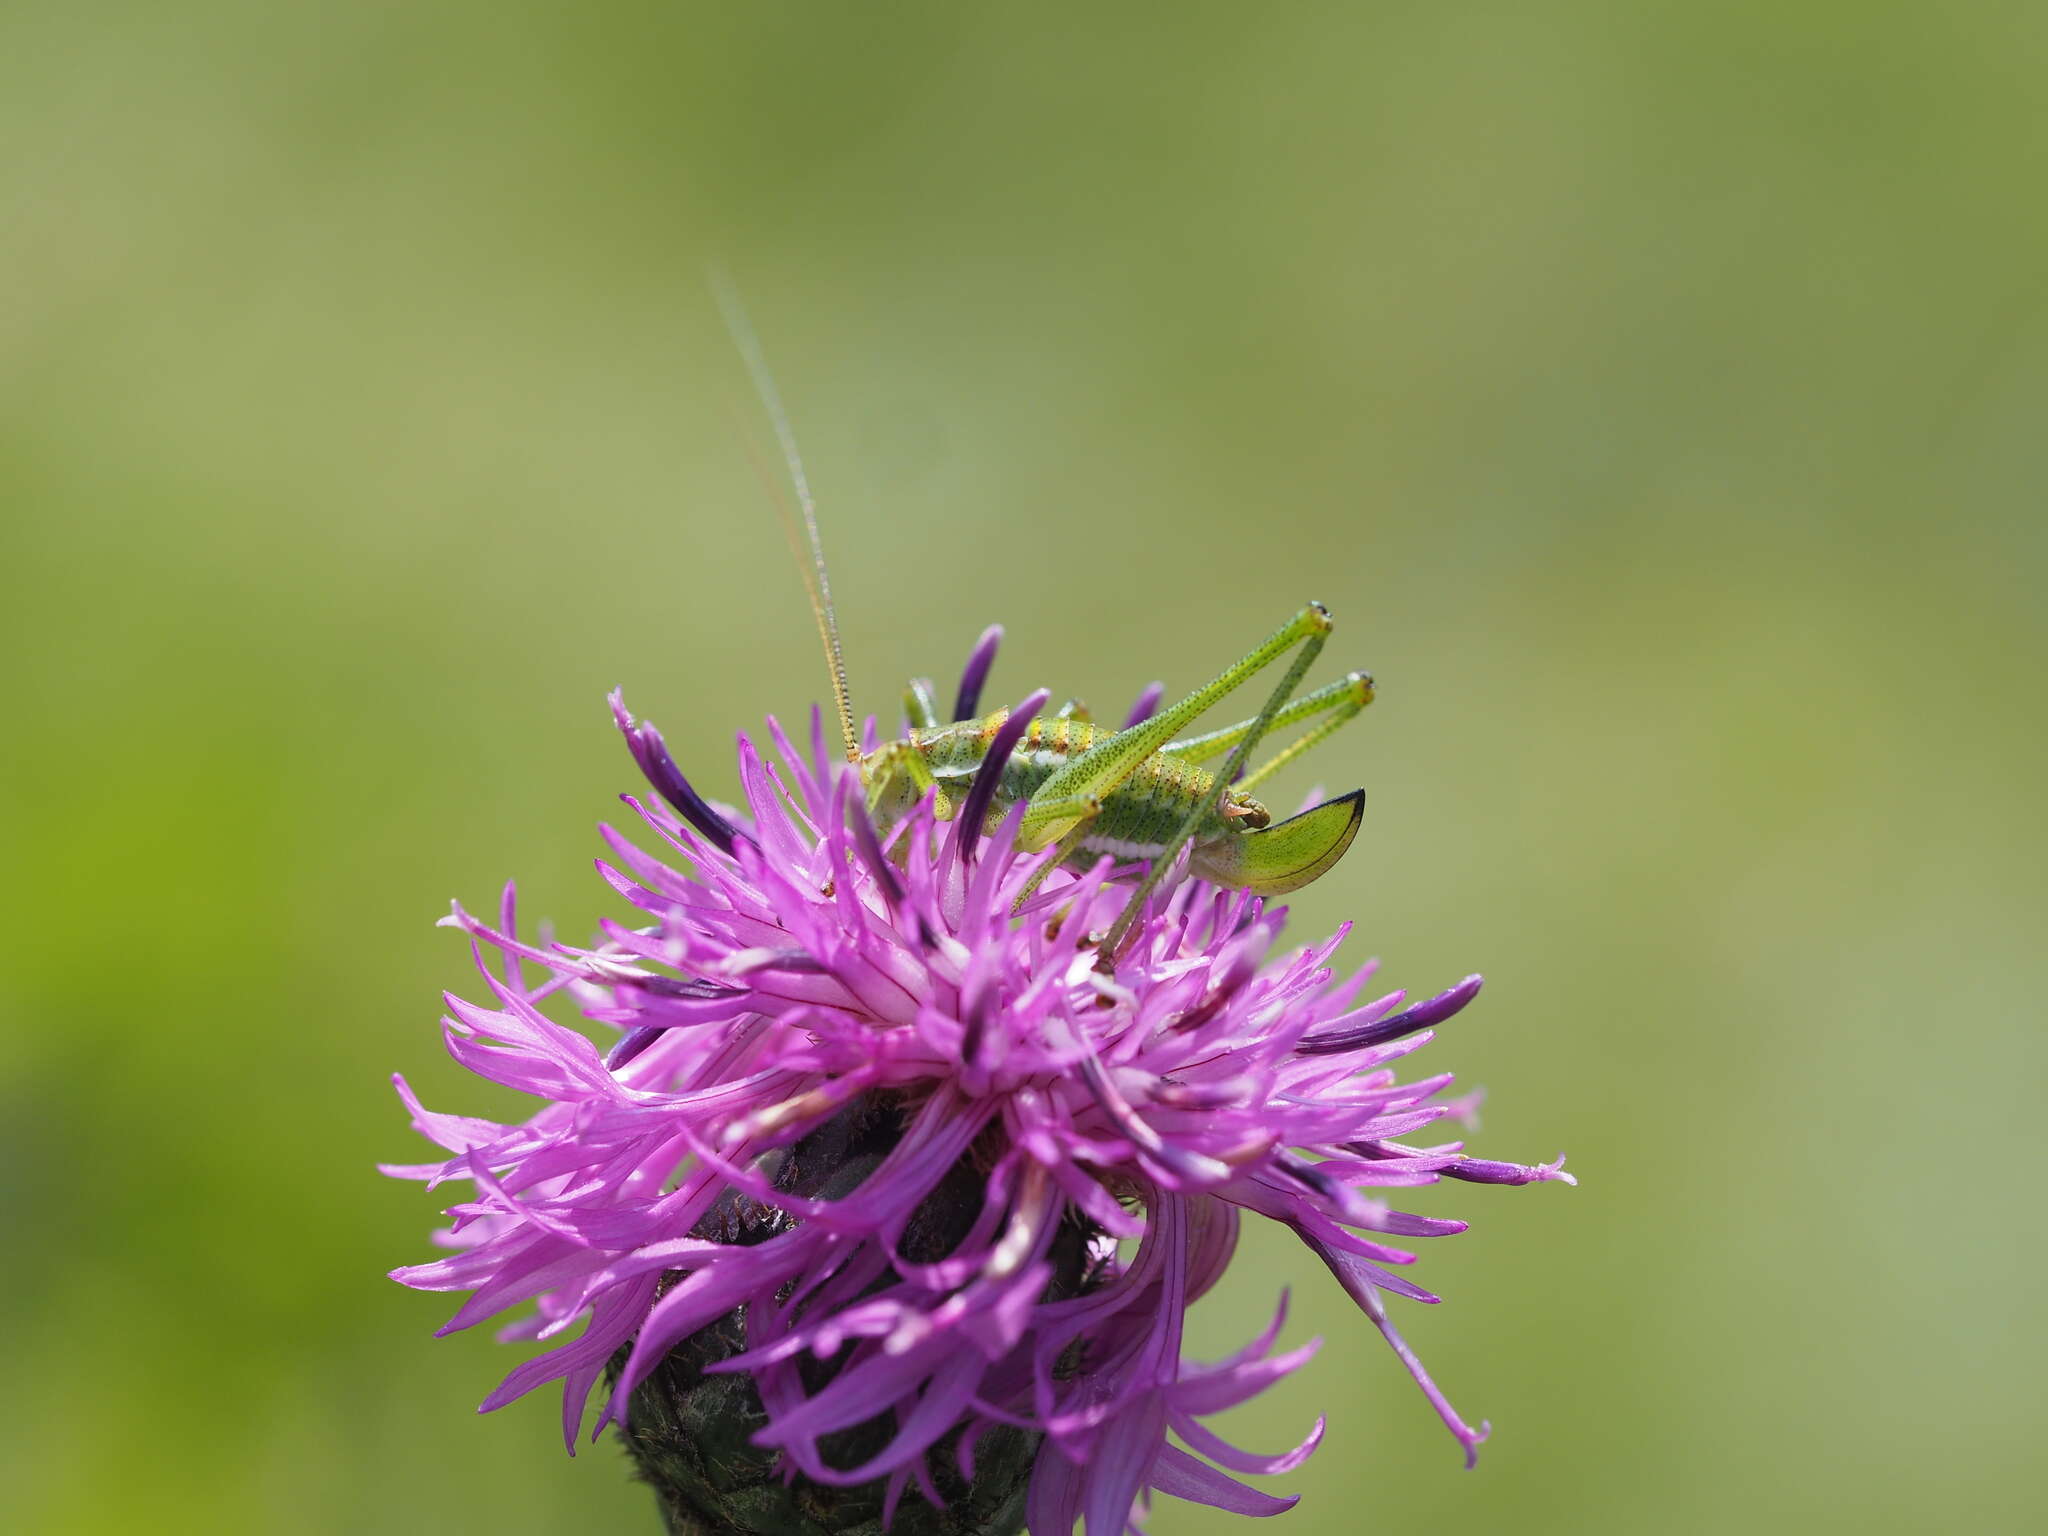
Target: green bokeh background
1655,392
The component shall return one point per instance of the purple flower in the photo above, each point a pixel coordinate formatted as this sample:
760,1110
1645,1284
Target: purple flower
915,1168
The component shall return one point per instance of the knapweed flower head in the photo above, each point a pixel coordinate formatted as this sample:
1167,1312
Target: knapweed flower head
894,1190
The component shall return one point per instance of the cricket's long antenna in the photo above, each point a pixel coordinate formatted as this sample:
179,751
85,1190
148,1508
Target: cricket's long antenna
817,583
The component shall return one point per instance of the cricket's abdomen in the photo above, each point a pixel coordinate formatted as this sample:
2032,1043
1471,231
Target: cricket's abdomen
1138,819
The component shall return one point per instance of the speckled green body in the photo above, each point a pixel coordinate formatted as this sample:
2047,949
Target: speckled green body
1137,819
1140,795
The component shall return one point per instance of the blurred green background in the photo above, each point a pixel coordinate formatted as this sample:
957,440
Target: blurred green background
1655,392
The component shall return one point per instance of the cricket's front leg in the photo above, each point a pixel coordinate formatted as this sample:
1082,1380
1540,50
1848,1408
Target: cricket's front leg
896,778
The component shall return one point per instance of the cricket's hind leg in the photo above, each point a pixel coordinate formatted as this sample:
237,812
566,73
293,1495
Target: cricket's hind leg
1309,629
1108,764
1341,702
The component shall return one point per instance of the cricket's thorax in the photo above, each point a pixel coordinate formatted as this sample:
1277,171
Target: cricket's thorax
1138,818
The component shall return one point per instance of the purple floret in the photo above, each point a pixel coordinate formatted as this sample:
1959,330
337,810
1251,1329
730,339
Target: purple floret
792,964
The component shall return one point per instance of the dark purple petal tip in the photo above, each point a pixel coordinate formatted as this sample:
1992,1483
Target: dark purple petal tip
1478,1170
967,703
1424,1015
1146,705
981,794
651,754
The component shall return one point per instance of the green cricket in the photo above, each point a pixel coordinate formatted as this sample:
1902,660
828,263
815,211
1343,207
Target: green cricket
1140,794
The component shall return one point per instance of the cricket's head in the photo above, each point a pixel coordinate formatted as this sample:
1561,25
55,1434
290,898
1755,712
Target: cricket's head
1270,860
